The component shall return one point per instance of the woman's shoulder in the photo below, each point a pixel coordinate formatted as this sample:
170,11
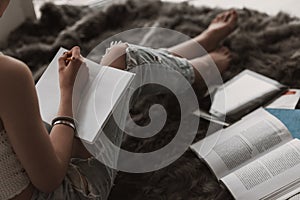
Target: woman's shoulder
12,68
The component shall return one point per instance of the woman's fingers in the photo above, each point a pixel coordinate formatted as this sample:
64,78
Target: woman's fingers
77,60
76,52
72,59
62,61
76,56
69,65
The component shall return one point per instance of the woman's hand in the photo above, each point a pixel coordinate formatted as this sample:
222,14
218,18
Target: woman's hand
69,64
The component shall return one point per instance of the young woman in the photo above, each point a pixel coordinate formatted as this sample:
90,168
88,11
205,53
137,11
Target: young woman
38,165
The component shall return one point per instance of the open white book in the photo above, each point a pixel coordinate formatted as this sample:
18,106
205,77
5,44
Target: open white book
241,95
288,100
256,158
103,88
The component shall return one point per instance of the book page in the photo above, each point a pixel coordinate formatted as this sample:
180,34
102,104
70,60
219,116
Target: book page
100,100
294,197
93,104
288,100
230,148
267,175
237,99
292,193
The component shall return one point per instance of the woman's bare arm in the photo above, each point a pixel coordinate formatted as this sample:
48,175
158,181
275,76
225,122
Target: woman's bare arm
45,158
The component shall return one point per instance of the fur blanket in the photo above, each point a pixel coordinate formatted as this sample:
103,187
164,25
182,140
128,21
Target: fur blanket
269,45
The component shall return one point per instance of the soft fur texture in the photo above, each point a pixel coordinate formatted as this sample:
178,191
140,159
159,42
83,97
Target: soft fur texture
265,44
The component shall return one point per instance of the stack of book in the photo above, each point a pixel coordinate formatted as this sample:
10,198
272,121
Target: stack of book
257,154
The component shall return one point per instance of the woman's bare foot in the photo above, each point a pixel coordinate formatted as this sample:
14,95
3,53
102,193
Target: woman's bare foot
219,29
205,65
222,58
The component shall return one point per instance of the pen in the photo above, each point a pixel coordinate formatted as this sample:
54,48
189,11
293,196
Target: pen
69,59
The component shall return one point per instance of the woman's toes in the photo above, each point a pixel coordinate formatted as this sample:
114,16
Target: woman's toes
215,20
223,50
223,16
233,12
220,27
228,54
233,16
218,18
226,51
227,15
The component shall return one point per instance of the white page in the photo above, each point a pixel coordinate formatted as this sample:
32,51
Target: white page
288,100
103,89
266,175
230,148
98,104
240,90
292,193
295,197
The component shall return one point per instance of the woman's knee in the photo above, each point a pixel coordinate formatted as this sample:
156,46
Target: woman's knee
115,57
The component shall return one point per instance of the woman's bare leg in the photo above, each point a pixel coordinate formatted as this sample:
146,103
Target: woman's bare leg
221,58
116,57
79,150
219,29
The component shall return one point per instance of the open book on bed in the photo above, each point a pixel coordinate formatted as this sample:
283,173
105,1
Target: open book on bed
256,157
241,95
102,91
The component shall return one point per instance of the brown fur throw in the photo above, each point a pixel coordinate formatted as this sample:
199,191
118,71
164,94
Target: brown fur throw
269,45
